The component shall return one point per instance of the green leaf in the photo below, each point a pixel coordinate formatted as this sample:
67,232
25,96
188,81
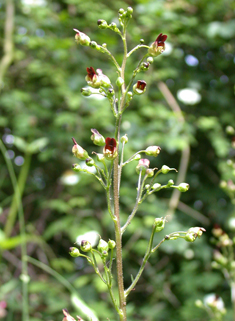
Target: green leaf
37,145
20,143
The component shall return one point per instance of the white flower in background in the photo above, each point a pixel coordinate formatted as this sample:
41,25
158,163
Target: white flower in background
34,3
214,301
189,96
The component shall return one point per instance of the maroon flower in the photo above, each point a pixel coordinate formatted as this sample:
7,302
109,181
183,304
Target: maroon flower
110,144
140,87
96,79
161,40
158,46
110,148
141,84
90,73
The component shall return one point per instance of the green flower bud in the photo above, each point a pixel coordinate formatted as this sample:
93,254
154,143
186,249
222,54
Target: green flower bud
113,26
147,186
159,224
129,95
130,10
199,304
85,246
141,41
81,38
100,158
90,162
93,44
121,11
119,81
193,233
110,92
76,167
190,237
170,182
111,244
183,187
124,139
145,66
105,253
150,60
97,138
223,184
197,230
150,172
156,186
165,169
215,265
86,92
74,252
103,246
78,151
153,151
219,258
102,24
230,130
137,157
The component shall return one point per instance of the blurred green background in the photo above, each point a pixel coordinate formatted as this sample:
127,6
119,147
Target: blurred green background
41,108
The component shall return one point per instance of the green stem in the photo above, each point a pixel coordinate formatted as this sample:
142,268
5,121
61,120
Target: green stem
96,268
15,201
135,207
132,157
19,208
109,285
120,166
132,79
136,48
112,58
118,237
145,259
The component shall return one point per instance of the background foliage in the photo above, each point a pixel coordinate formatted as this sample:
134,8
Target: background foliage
40,98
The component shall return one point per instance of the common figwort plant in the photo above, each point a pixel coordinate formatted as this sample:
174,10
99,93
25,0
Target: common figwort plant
108,163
